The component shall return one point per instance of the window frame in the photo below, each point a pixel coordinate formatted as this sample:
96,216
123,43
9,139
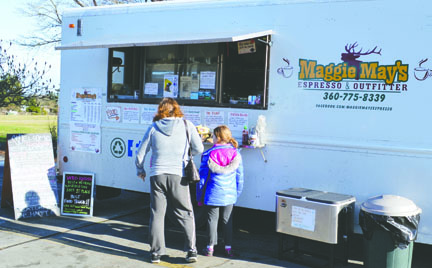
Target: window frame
141,51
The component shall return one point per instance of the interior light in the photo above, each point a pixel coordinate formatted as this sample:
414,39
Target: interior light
71,25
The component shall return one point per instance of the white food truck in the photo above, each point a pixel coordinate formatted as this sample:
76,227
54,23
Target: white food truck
342,91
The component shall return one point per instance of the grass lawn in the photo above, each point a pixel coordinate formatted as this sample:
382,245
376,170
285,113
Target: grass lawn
14,124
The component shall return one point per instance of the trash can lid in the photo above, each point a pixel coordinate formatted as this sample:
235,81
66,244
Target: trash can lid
391,205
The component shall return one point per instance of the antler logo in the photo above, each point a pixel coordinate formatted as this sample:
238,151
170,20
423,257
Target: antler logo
351,57
422,73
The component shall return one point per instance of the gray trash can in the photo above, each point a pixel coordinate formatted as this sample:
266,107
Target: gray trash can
389,225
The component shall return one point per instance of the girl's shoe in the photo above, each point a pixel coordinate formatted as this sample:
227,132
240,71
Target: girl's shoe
229,253
208,252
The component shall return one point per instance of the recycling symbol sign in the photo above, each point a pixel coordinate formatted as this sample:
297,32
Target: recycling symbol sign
118,147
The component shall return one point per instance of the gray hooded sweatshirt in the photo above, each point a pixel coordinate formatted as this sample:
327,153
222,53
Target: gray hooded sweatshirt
167,140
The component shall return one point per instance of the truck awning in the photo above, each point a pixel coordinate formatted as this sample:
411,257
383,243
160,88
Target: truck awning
158,41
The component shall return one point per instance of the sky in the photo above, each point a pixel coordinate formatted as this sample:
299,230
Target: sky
14,25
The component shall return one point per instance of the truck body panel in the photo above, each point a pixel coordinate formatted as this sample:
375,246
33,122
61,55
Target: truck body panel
326,128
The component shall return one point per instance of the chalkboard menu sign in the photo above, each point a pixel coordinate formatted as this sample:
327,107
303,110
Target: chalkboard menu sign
77,194
29,182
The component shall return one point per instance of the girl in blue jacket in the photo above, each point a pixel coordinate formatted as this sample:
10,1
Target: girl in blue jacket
221,183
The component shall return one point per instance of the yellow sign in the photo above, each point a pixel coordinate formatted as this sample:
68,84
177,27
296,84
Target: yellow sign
309,69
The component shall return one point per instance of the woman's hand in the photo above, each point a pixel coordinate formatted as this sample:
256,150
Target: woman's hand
142,176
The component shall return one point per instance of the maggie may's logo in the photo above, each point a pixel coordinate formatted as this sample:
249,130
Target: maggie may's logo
354,69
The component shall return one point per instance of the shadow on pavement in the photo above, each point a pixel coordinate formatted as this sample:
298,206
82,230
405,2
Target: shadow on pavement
97,233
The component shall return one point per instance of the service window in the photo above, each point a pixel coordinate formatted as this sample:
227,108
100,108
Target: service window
125,66
212,74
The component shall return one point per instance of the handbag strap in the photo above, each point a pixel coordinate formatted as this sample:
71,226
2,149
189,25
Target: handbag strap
205,186
187,138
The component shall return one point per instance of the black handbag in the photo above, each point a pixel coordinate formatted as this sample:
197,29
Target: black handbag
190,171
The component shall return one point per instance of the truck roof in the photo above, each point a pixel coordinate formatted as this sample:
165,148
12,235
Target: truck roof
184,4
128,25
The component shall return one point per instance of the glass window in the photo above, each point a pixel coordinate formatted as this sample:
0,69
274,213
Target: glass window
161,66
124,74
244,72
212,74
198,79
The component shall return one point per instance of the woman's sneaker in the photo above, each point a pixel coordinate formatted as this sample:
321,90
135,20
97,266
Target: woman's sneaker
191,256
208,252
155,258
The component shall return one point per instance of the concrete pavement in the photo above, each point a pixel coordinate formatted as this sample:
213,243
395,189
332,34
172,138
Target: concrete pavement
117,237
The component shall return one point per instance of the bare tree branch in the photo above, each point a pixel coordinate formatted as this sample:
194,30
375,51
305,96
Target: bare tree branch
19,82
79,3
48,15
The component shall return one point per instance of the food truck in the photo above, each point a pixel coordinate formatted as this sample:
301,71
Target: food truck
338,92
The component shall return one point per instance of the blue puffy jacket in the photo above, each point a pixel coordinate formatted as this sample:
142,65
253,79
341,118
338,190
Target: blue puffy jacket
225,182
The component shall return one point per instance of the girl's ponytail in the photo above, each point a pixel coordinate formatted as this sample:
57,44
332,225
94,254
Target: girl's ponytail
233,142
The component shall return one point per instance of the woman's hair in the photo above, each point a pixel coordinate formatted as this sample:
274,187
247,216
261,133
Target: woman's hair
223,134
168,107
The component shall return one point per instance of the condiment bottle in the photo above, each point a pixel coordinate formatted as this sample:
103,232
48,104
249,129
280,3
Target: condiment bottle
245,136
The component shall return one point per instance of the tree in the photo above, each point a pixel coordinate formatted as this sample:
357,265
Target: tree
35,107
19,81
48,15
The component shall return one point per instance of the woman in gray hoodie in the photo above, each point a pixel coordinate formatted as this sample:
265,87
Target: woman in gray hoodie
166,138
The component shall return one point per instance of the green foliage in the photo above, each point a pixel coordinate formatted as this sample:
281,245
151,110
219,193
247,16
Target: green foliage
10,90
52,126
20,82
33,102
53,95
12,107
36,110
33,109
34,106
